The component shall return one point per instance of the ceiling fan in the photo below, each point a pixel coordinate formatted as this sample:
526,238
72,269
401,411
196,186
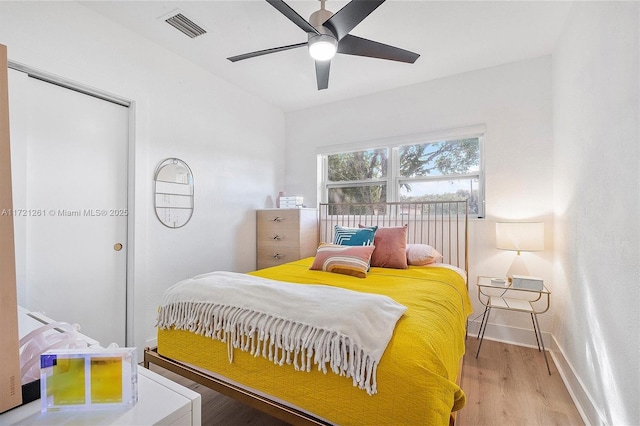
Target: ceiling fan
328,34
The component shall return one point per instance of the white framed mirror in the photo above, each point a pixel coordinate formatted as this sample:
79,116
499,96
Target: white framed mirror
173,193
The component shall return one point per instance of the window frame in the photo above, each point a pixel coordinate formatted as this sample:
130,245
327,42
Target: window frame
393,179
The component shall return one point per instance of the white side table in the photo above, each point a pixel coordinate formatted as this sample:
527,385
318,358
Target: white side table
160,400
497,297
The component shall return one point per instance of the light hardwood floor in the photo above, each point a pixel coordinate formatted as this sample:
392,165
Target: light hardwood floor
510,385
506,385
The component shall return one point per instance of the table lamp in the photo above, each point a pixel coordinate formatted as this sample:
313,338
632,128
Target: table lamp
519,236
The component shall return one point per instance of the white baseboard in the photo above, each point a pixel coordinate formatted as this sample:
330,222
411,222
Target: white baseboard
581,398
512,335
526,337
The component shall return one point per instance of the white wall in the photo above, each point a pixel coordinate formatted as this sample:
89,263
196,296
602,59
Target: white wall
584,186
597,233
513,101
232,141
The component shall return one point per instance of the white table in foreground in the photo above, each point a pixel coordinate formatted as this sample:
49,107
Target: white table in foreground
160,402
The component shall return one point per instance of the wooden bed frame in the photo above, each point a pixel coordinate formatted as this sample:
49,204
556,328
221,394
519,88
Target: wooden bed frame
441,224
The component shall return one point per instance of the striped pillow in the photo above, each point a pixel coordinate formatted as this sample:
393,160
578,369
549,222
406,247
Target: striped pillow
347,260
354,236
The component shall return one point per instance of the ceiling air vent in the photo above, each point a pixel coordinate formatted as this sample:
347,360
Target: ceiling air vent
185,25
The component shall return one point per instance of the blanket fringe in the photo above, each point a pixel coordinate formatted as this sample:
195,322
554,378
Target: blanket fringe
279,340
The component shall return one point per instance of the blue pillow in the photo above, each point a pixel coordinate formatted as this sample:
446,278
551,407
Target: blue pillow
354,236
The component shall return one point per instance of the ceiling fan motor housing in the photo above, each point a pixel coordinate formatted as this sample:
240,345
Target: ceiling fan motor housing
318,18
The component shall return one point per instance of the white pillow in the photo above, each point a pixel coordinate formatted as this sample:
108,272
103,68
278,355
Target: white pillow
422,254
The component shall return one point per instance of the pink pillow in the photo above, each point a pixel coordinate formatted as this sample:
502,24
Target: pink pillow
346,260
391,246
422,254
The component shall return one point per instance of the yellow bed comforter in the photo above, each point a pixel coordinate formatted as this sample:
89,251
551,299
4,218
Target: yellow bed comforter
416,375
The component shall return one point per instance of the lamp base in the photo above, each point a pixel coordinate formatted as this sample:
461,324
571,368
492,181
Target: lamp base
517,267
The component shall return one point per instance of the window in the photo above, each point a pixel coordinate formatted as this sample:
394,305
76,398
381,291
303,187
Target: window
422,170
357,177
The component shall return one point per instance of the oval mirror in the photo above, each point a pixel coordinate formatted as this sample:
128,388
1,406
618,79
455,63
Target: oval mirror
173,192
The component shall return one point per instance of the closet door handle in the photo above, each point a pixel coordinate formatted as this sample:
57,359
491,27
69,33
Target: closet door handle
117,246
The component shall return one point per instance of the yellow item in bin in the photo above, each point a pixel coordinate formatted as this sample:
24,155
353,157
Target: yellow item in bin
88,379
106,379
66,384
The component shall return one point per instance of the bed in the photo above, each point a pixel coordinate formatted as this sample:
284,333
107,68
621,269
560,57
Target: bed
415,380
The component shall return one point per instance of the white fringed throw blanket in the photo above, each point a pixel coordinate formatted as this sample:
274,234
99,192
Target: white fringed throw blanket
287,323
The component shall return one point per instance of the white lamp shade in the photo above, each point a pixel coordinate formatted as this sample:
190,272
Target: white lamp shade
520,236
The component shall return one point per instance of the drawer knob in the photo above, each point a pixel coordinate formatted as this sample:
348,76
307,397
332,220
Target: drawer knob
278,256
278,219
277,237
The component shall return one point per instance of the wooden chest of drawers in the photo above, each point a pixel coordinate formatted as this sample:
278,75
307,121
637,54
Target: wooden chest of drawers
285,235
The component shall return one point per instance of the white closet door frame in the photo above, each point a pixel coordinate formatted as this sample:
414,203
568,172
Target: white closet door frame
73,85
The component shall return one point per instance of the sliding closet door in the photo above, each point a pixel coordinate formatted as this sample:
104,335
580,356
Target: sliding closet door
70,184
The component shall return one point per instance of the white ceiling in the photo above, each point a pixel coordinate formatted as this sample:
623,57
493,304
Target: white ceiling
452,37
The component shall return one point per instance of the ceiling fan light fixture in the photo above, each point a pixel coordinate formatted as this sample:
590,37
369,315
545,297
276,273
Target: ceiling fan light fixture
322,47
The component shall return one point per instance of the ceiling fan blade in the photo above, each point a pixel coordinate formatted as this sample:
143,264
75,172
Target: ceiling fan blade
293,16
351,15
265,52
352,45
322,74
